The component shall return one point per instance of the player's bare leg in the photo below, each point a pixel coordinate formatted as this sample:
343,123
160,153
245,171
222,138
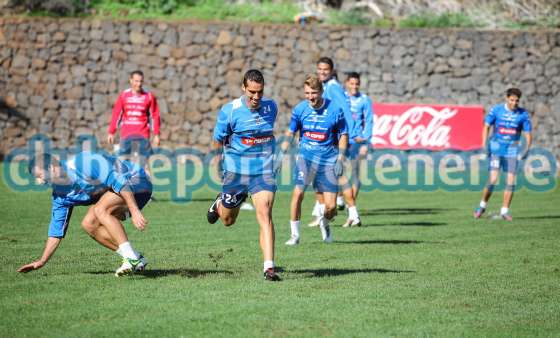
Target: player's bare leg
264,200
104,211
93,227
508,196
328,213
487,193
295,215
353,217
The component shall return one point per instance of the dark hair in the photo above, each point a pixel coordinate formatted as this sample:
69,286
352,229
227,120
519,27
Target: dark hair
513,91
254,75
353,75
43,160
136,72
326,60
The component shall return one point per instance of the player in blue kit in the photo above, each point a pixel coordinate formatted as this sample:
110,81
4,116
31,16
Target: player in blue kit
333,91
323,140
112,187
508,122
244,130
358,145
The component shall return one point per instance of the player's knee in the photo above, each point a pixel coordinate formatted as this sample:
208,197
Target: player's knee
330,211
228,220
89,226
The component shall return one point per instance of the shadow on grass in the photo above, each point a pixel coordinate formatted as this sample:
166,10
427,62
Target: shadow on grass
386,241
342,272
403,211
540,217
407,224
158,273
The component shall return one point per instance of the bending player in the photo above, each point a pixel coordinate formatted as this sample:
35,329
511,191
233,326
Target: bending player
323,141
112,187
244,130
508,122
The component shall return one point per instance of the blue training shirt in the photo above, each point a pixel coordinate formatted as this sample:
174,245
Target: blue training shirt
507,127
333,91
247,136
90,174
362,116
319,130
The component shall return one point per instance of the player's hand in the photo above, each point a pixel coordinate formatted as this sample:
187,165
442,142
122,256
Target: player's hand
339,166
110,138
138,220
278,159
31,266
155,141
363,150
358,139
523,156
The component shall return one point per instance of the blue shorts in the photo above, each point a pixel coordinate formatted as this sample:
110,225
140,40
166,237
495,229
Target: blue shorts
322,177
135,144
505,163
235,187
353,150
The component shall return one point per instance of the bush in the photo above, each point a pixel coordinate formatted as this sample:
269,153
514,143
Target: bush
53,7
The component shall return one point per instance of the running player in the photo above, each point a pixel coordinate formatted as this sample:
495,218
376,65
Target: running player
323,141
244,130
362,116
508,122
112,187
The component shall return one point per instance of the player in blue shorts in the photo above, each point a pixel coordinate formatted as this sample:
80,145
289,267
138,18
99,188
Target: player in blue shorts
244,130
112,187
508,122
333,91
358,144
323,140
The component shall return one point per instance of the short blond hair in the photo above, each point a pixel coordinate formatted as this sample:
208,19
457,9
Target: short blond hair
313,82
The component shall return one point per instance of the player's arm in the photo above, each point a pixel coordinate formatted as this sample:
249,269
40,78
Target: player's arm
156,121
115,115
485,133
135,214
50,247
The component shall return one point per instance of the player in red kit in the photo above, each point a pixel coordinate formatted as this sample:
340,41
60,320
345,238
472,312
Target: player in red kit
134,108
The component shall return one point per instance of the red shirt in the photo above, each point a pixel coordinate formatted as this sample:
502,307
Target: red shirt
135,111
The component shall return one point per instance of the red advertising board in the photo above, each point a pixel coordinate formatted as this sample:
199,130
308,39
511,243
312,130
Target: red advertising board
431,127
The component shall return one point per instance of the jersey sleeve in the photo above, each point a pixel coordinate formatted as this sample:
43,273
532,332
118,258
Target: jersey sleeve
341,125
115,115
60,218
490,117
527,126
295,122
154,114
368,119
222,130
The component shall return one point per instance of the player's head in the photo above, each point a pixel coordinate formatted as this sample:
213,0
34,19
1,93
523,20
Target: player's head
325,68
253,88
313,90
45,168
353,83
513,95
136,80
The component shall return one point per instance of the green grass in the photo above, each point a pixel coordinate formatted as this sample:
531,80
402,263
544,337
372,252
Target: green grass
420,266
267,11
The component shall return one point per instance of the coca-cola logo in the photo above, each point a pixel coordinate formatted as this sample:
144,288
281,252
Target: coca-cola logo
419,126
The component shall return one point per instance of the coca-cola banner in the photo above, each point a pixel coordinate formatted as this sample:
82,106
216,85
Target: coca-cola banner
431,127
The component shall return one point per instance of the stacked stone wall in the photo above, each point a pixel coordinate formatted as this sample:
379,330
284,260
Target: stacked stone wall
61,77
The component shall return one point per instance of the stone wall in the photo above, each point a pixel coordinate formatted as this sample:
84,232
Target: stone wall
61,77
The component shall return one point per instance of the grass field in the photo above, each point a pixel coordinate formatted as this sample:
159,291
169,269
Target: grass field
420,266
